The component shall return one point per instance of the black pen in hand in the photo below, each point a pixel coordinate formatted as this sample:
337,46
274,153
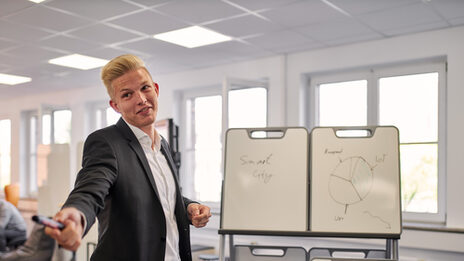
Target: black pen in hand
47,222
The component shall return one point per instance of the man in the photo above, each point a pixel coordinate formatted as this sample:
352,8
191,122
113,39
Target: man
128,180
12,226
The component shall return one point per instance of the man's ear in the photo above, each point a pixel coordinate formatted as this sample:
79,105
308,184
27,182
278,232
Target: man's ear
114,106
156,88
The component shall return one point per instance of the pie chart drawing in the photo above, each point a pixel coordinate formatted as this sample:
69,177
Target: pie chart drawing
351,181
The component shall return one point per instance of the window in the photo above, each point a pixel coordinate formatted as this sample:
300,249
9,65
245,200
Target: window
208,115
5,152
54,128
29,141
408,97
101,115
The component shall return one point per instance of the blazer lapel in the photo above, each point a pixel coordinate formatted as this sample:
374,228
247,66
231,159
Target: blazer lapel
137,148
165,149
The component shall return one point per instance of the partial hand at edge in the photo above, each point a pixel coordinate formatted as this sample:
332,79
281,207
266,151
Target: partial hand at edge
198,214
70,237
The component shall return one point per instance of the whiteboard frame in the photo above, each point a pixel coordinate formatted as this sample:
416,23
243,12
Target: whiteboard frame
372,129
259,231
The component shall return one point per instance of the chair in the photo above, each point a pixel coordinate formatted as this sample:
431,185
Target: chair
12,194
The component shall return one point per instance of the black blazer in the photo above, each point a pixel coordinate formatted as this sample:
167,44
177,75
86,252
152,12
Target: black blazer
116,185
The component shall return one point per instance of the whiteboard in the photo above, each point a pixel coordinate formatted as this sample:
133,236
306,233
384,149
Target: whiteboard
355,181
266,181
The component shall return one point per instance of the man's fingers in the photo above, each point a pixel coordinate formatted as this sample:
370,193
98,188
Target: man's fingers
70,237
53,232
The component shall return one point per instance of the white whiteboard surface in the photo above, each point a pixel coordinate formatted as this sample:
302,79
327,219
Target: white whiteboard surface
266,181
355,182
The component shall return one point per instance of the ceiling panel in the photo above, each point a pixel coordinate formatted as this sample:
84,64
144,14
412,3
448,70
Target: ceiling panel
69,44
13,6
199,11
108,52
238,48
6,44
94,9
39,16
149,22
338,29
102,33
416,28
353,39
20,33
449,9
303,13
244,25
149,3
156,48
457,21
256,5
32,53
282,41
356,7
396,18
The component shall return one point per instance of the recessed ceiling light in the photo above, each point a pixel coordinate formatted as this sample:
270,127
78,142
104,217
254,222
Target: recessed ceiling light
79,61
193,36
37,1
13,79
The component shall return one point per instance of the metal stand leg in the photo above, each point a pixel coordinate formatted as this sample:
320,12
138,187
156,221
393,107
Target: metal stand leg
388,249
231,248
395,250
222,244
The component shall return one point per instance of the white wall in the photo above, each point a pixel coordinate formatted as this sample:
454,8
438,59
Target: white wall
284,74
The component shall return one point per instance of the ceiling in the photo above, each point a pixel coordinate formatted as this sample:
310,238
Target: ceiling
31,34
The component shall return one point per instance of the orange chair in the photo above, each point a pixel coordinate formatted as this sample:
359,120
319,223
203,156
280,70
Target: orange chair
12,194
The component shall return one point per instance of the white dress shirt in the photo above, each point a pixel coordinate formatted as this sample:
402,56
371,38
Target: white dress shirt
166,186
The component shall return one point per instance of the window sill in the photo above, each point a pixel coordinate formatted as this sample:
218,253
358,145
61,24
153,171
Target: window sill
432,228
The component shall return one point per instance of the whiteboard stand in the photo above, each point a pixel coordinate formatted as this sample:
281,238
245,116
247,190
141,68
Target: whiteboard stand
391,247
256,172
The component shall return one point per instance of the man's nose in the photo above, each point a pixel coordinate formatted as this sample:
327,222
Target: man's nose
141,99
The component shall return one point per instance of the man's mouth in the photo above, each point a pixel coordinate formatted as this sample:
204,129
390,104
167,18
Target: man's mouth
143,110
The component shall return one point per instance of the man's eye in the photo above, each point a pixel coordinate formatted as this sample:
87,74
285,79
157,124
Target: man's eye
145,87
126,95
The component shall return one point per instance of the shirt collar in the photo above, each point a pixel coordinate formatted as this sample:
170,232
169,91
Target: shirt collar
143,138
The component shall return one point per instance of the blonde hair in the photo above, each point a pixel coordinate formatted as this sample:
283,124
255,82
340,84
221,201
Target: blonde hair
119,66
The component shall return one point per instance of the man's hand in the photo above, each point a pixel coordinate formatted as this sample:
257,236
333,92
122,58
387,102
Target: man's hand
198,214
70,236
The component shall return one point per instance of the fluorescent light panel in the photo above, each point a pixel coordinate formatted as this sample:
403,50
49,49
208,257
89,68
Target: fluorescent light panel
79,61
10,79
193,36
37,1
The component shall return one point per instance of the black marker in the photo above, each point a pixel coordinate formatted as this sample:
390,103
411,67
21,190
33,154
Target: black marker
47,222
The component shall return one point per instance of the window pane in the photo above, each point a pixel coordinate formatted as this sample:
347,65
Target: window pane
208,148
411,104
343,104
5,152
111,116
98,119
419,177
62,126
32,179
46,131
248,108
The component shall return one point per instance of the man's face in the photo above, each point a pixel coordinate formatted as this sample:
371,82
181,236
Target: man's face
136,98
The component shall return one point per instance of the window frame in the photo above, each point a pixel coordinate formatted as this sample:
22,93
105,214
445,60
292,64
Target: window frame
9,153
373,74
186,134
